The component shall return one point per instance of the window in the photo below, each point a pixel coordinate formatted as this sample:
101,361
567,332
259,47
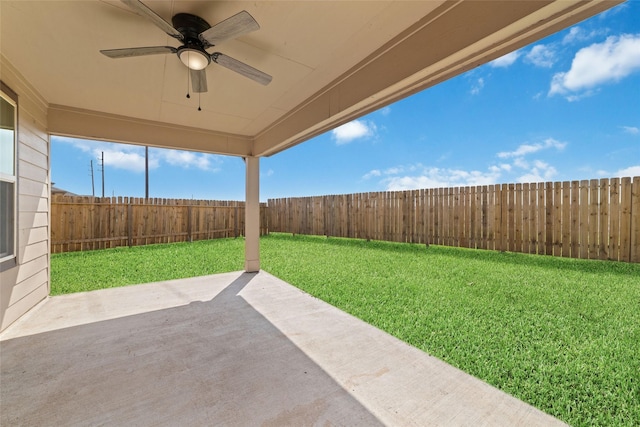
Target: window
8,174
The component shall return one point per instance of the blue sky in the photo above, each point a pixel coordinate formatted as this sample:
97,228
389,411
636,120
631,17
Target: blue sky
564,108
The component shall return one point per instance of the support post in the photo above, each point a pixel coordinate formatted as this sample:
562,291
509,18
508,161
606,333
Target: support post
252,215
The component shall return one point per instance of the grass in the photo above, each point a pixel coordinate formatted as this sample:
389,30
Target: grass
87,271
560,334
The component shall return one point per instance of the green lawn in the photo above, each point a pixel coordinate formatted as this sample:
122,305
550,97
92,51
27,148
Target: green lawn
561,334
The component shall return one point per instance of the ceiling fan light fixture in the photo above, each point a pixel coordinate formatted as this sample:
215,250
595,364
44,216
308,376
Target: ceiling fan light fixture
194,58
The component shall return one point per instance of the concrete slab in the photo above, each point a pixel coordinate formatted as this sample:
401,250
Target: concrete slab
233,349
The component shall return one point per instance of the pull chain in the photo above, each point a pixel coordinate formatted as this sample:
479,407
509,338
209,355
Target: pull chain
199,109
188,75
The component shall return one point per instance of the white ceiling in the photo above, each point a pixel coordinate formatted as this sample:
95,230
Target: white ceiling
331,61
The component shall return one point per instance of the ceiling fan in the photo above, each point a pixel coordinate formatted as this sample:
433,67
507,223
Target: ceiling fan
196,36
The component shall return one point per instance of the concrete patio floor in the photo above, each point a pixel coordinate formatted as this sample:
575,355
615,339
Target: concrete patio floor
234,349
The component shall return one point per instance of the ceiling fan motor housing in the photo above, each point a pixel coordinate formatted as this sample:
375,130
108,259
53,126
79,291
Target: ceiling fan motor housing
190,26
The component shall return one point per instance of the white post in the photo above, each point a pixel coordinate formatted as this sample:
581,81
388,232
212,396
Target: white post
252,215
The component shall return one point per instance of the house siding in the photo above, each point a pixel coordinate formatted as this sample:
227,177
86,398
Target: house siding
28,283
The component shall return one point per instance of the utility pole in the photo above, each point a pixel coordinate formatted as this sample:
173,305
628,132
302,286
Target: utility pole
146,172
93,187
102,169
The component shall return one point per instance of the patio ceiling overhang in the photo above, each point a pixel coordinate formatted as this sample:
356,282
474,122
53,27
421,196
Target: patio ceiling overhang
331,62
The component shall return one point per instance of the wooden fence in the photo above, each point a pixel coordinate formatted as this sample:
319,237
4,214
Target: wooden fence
596,219
86,223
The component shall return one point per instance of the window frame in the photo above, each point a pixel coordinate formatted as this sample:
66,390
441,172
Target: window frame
10,260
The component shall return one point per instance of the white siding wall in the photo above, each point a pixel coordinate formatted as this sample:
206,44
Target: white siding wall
23,286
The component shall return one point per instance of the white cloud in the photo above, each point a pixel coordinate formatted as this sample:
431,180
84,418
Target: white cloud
353,130
126,159
88,146
499,168
417,176
132,157
613,11
385,111
578,34
82,144
477,87
575,33
600,63
394,171
514,167
525,149
633,130
371,174
534,170
189,159
437,177
118,156
541,171
631,171
520,163
541,56
505,60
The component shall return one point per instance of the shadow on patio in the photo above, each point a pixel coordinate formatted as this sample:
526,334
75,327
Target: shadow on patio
230,349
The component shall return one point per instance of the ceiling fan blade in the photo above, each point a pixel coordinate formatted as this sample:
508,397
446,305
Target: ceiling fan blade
198,80
140,7
241,68
237,25
138,51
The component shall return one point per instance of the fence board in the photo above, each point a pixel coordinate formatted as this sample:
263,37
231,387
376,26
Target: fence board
487,214
491,210
473,220
511,220
557,219
548,247
541,218
565,242
614,215
634,251
533,229
519,218
575,219
455,209
437,199
478,214
593,219
498,231
603,220
584,219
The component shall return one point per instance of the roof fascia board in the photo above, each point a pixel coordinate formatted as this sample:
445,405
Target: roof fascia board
87,124
380,80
